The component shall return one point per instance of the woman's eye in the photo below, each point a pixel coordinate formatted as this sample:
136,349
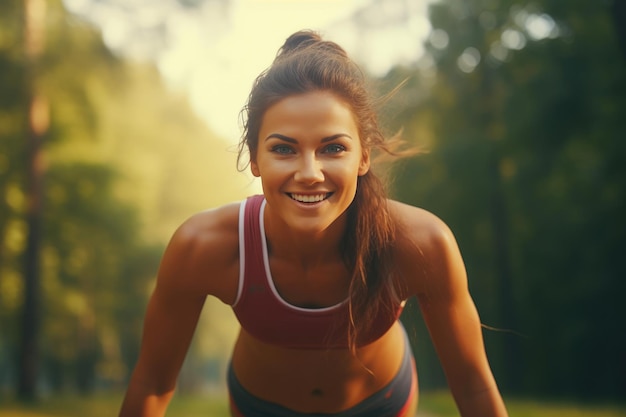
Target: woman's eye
282,149
334,148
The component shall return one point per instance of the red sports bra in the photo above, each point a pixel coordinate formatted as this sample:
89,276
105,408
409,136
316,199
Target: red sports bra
264,314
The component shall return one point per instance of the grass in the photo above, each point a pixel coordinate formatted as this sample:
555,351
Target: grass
440,404
431,405
107,405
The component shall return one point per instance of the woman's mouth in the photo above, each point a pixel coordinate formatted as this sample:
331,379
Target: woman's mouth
309,198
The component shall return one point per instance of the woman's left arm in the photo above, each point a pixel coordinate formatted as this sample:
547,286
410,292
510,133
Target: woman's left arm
454,325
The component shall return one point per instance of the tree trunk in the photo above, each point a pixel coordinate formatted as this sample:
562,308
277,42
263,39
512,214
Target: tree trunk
38,121
509,358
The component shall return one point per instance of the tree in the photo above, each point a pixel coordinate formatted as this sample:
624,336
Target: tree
126,161
38,121
523,122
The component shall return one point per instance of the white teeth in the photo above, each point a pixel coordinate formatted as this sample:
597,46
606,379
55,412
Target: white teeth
309,198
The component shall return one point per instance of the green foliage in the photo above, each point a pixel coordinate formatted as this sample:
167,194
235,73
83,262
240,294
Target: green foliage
526,165
94,274
439,403
125,161
90,242
106,405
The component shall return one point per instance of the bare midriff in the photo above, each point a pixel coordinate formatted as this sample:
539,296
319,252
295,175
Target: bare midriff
314,381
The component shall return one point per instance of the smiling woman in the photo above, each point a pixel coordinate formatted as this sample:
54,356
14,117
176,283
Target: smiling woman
309,159
318,268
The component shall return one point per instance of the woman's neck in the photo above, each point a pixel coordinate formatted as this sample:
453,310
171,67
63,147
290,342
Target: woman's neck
305,249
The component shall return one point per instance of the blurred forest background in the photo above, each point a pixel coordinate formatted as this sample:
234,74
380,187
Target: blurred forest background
521,105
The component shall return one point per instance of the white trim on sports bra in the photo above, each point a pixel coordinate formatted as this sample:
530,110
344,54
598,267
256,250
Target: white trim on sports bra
242,251
270,279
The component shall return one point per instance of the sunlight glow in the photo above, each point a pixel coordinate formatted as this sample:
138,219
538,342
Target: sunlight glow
469,60
439,39
214,51
541,27
513,39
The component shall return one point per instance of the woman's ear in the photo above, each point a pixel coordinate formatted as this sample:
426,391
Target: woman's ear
254,168
364,166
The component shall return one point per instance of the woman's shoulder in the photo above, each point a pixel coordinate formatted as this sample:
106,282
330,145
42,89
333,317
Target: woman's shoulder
418,224
425,245
209,228
202,255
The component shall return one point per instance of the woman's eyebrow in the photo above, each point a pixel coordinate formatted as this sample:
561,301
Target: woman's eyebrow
292,140
337,136
281,137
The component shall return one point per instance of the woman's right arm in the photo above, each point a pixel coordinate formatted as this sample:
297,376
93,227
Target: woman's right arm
169,324
195,251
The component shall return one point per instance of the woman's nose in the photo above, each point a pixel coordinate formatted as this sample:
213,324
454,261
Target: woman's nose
310,170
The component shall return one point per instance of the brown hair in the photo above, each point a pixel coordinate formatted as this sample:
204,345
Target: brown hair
307,63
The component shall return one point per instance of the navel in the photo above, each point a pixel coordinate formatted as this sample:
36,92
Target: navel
317,392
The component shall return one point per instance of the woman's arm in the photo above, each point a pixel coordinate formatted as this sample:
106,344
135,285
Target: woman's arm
169,325
193,266
432,265
454,325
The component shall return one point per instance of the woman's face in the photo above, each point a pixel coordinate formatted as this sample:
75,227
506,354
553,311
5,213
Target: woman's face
309,156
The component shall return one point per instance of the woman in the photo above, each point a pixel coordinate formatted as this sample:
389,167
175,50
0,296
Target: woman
318,268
